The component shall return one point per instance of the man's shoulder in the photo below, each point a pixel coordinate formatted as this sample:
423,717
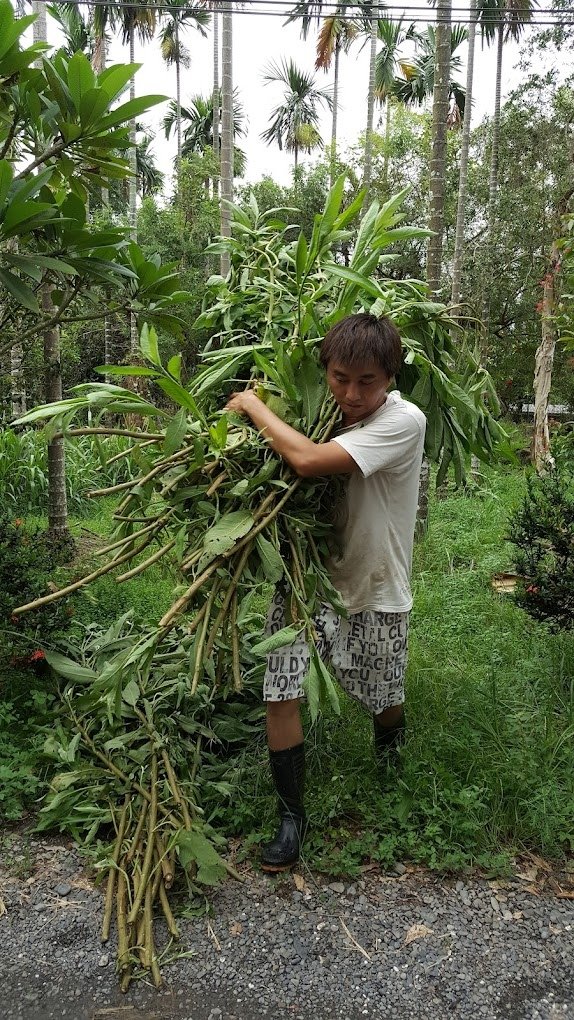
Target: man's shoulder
398,409
407,407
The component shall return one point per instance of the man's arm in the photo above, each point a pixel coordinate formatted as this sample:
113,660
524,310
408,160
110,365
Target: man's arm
308,459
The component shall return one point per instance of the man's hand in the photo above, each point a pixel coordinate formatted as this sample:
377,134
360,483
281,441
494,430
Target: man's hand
244,402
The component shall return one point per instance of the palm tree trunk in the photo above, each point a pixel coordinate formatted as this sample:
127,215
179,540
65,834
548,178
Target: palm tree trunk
132,211
17,383
99,54
370,111
422,518
178,91
57,499
226,130
463,173
438,154
133,187
40,30
18,402
541,456
99,57
216,99
335,113
387,143
18,399
492,186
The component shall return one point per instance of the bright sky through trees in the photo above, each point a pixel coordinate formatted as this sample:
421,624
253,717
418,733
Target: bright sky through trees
260,38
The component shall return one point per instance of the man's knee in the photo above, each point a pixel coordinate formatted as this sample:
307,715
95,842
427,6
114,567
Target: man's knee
278,710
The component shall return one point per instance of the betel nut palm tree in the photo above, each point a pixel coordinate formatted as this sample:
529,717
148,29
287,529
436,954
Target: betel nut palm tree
176,19
294,123
336,35
503,20
141,22
388,62
198,126
440,115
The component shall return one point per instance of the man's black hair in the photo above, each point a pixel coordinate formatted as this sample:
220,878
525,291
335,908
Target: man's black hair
361,339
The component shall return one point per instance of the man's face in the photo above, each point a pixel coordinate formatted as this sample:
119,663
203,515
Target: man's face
359,390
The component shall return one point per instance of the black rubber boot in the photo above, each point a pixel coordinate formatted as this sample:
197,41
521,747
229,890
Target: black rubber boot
387,740
288,771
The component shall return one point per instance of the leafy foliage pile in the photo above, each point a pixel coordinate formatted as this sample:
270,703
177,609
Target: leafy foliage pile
138,754
233,516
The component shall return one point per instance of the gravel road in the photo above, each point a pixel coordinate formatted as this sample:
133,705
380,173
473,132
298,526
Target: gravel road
405,945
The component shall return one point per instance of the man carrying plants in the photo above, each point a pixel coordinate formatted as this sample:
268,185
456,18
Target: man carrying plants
379,446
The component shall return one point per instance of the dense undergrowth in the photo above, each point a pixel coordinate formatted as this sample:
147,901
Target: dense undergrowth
487,768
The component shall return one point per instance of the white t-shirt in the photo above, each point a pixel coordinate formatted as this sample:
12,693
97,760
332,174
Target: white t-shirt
376,522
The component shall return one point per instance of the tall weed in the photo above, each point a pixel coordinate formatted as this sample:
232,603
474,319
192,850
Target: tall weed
24,469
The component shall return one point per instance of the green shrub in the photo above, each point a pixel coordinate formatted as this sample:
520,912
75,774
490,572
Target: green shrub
27,558
542,529
19,755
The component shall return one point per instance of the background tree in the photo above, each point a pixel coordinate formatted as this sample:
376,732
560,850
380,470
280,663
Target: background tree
135,22
226,128
441,89
294,124
503,20
388,61
459,244
337,35
198,120
73,26
173,50
59,261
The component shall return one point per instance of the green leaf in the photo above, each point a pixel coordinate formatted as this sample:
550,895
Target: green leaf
93,105
225,533
131,693
194,848
312,688
6,175
174,367
149,345
421,393
131,370
180,396
218,434
21,293
328,687
334,199
10,28
351,211
81,78
351,276
23,214
301,258
130,110
311,382
114,79
68,668
282,638
270,559
175,432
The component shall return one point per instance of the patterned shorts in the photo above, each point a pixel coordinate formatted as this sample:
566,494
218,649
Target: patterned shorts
367,653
